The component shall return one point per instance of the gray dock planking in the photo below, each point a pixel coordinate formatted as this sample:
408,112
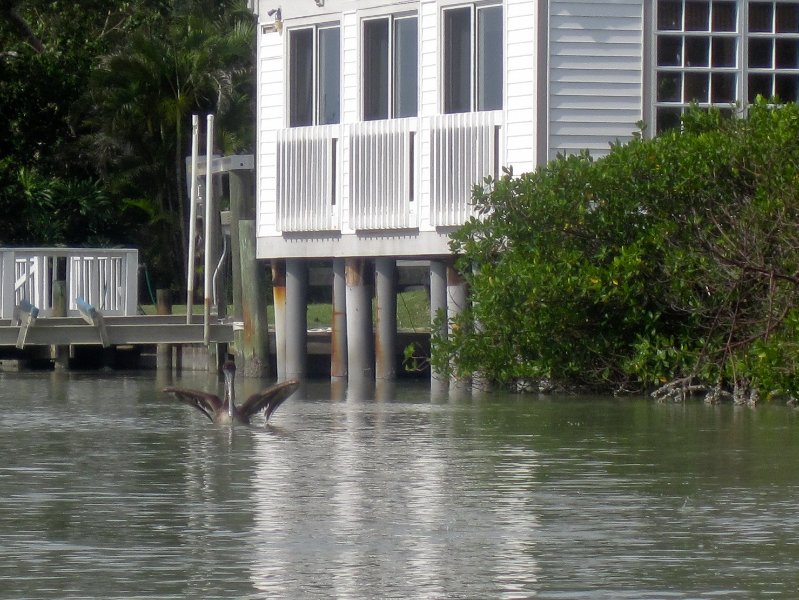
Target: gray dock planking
119,331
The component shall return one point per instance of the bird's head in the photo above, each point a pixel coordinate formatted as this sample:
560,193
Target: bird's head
229,373
229,368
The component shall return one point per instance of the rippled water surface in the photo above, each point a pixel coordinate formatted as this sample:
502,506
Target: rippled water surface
110,490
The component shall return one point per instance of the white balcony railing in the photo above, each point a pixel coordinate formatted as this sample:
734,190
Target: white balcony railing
382,174
307,178
106,279
382,167
464,148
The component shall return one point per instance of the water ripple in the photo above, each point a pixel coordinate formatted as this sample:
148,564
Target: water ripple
109,490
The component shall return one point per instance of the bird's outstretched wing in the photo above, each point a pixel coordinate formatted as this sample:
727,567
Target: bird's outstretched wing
269,399
204,401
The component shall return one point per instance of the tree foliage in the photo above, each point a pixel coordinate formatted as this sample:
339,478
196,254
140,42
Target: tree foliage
672,261
98,95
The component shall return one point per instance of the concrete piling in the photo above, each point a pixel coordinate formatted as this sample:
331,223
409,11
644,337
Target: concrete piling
338,336
386,330
279,295
296,318
438,304
360,338
456,302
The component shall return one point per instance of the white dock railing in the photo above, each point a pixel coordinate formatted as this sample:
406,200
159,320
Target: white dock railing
105,278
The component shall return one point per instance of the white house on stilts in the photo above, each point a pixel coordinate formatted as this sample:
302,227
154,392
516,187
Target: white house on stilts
376,118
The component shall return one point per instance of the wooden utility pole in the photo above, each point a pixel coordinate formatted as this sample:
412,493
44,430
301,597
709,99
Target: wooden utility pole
253,342
163,353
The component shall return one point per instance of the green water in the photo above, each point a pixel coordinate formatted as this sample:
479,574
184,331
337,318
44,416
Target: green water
110,490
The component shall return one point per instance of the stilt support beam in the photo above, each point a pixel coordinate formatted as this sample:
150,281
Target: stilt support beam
456,302
338,337
360,337
279,294
438,305
296,318
386,330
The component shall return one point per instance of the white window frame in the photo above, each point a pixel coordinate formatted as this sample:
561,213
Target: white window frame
741,69
316,105
475,7
392,72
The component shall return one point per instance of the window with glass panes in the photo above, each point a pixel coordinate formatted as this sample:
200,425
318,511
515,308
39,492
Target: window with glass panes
390,67
723,52
473,57
314,76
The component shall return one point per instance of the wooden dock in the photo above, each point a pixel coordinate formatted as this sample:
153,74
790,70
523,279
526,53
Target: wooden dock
119,331
97,290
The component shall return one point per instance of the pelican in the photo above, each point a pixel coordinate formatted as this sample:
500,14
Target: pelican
225,410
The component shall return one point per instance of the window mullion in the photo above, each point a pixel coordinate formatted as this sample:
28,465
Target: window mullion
315,78
474,58
743,54
391,68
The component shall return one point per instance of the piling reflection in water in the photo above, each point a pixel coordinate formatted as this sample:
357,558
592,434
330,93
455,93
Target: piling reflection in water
387,510
109,490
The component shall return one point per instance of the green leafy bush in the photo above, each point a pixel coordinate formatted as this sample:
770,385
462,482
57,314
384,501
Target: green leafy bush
669,259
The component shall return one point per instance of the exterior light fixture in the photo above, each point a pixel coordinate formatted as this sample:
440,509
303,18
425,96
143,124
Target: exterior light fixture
277,24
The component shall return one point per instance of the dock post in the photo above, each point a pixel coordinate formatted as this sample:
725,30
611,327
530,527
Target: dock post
60,354
338,336
252,343
242,207
210,215
386,330
296,318
192,249
438,303
163,352
360,336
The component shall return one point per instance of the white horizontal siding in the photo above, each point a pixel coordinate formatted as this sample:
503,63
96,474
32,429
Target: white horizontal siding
607,50
576,103
518,133
271,111
595,73
623,91
593,76
428,103
428,58
616,9
350,105
570,64
349,68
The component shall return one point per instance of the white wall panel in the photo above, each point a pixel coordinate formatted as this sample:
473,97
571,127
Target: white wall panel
270,118
595,82
518,133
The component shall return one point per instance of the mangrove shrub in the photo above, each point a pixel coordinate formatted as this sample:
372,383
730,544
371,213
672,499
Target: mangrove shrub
671,261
